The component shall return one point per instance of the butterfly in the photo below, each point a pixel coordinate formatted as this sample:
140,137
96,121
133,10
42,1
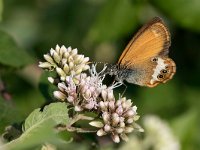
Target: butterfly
145,60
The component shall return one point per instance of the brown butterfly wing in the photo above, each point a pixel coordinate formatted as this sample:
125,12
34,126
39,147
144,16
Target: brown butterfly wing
152,41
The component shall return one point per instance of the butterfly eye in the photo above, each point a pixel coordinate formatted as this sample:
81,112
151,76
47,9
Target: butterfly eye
154,59
164,71
160,76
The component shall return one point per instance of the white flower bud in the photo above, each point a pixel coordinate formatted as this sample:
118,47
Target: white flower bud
78,108
60,72
74,52
127,104
56,57
51,80
86,67
57,49
69,49
71,65
45,65
49,59
97,124
101,132
62,50
66,68
86,59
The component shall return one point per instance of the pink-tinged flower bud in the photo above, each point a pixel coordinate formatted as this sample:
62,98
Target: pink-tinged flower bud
127,104
115,138
130,113
59,95
107,128
102,106
87,94
106,117
119,130
101,132
97,124
62,87
119,110
115,119
49,59
110,95
70,99
118,103
104,94
111,105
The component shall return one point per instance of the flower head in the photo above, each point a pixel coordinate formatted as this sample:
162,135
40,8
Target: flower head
65,61
118,117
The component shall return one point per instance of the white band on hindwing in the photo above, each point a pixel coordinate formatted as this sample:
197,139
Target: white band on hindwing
160,66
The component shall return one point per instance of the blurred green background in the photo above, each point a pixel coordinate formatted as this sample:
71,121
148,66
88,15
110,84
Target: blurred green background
101,29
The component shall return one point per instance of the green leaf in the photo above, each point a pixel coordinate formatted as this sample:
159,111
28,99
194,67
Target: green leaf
117,18
39,126
1,9
183,12
11,54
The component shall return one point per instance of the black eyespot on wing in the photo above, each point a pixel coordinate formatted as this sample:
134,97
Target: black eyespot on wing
160,76
164,71
154,59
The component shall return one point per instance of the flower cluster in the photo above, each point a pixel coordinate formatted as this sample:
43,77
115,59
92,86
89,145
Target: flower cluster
85,91
66,61
118,117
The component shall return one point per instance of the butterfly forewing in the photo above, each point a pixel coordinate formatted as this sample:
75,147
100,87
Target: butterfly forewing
150,41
